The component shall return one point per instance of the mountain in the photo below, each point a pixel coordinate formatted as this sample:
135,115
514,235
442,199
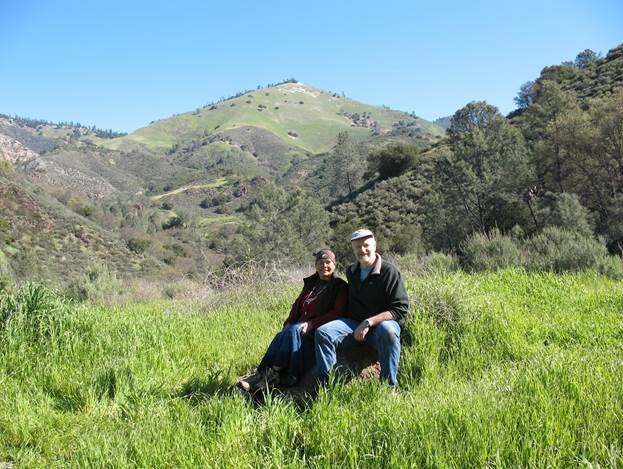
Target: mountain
151,202
265,131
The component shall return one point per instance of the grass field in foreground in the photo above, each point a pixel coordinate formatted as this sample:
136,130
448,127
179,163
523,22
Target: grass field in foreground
504,369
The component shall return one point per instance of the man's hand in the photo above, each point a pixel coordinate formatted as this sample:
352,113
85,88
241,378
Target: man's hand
304,327
361,331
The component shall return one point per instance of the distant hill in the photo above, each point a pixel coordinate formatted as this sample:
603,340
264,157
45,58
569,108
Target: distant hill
597,78
266,131
443,122
301,116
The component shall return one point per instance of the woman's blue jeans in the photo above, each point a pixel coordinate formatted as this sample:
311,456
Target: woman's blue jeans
384,338
291,351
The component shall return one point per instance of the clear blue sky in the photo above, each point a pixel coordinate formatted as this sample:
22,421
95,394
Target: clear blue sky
121,64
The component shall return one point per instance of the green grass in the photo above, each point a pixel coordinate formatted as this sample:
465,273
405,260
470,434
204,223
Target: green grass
502,369
218,220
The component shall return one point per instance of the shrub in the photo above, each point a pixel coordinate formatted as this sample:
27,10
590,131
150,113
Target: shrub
97,284
432,263
610,266
166,206
491,252
6,275
393,161
138,245
407,239
172,222
565,211
439,262
560,250
6,169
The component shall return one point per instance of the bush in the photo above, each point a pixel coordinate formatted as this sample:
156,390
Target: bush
560,250
6,275
407,239
6,169
138,245
491,252
98,284
610,266
393,161
172,222
432,263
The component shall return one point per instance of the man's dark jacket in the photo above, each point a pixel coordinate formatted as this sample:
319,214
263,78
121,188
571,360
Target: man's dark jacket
382,290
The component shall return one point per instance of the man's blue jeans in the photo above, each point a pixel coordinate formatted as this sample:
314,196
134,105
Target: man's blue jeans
290,350
384,338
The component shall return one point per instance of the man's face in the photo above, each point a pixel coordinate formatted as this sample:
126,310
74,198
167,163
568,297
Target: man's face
365,250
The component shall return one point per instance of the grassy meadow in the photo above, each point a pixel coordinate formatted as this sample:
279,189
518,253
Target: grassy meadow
499,369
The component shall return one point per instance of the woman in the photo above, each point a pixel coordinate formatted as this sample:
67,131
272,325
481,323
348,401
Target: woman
291,353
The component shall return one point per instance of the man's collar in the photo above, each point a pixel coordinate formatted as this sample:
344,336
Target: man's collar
376,267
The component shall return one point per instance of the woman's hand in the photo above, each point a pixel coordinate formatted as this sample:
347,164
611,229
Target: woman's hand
304,327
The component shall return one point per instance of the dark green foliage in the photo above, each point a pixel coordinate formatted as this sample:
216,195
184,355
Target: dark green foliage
586,58
525,96
345,166
84,210
393,161
281,224
486,172
138,245
172,222
565,211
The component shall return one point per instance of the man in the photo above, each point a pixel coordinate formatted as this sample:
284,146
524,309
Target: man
377,307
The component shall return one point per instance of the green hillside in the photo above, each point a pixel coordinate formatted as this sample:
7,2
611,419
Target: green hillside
598,78
303,117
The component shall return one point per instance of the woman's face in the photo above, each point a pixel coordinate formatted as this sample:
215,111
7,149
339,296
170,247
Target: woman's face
325,268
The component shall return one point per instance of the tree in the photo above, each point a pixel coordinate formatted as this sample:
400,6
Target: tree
586,58
346,166
540,123
393,160
525,96
487,170
282,224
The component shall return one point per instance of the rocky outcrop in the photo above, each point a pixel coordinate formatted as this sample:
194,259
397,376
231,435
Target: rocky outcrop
14,152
